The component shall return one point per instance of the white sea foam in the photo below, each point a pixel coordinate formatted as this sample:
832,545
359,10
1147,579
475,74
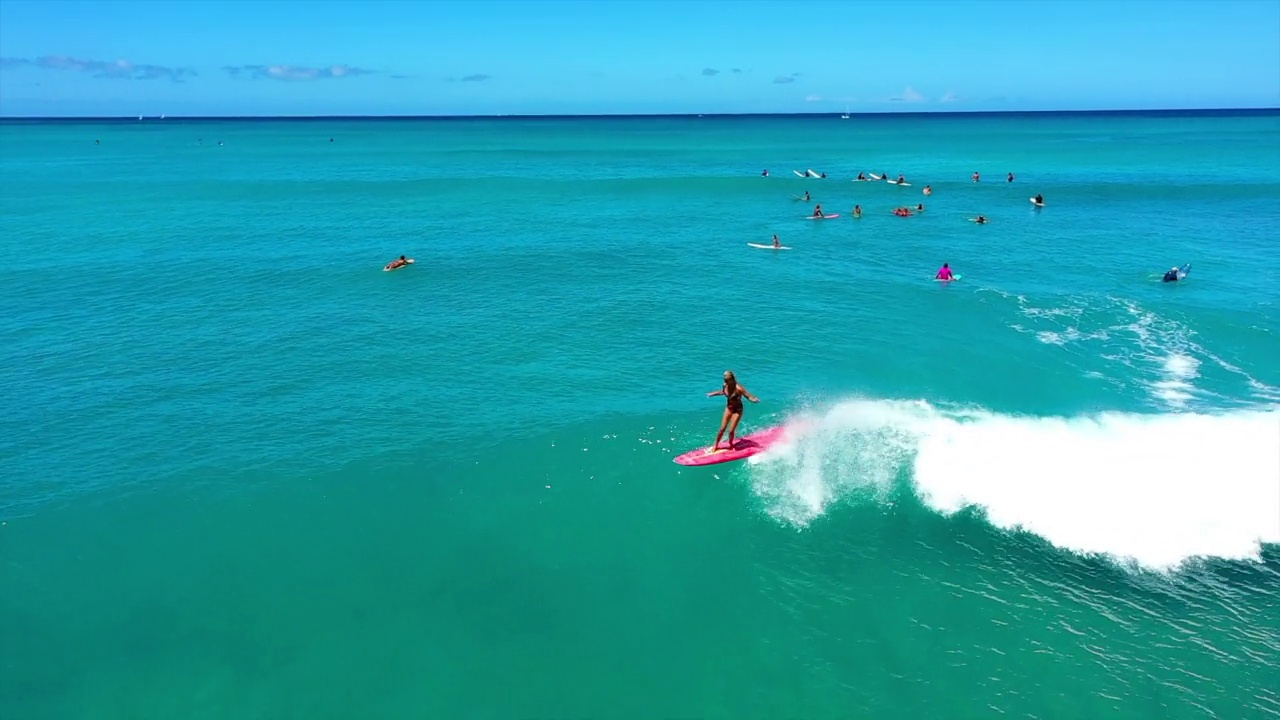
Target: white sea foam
1156,489
1162,352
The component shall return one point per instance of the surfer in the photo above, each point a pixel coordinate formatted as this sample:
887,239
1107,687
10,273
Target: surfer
1010,178
857,211
981,219
928,189
919,207
1039,199
806,196
944,273
776,243
764,174
733,393
397,264
1171,276
817,211
861,176
975,177
901,179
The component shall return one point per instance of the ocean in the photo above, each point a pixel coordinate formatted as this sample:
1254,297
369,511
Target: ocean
248,474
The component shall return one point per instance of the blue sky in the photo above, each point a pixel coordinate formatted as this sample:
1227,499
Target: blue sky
614,56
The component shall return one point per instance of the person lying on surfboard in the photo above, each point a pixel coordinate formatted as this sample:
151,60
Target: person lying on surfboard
396,264
733,393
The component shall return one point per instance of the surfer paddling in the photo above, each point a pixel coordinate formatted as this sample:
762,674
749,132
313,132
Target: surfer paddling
733,393
397,264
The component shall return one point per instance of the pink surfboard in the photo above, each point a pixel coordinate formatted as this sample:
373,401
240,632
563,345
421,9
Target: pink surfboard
743,447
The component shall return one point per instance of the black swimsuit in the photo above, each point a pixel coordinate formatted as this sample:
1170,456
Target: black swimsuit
733,400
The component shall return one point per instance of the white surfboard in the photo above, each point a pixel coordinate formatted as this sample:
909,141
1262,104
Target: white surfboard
814,174
799,174
388,268
768,247
1037,204
874,176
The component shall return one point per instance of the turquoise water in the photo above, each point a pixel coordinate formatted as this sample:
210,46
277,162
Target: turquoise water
249,474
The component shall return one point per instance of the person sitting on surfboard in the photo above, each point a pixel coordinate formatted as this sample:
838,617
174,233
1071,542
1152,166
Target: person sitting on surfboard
901,179
861,176
764,174
1010,178
1039,199
806,196
733,393
817,212
944,273
1171,276
975,177
981,219
396,264
776,243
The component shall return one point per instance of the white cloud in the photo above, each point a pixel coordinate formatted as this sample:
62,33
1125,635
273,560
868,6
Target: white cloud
909,95
813,98
951,97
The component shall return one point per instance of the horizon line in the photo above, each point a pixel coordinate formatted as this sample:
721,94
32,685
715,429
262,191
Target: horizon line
529,116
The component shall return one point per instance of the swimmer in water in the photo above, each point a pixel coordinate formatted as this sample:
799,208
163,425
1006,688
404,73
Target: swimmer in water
857,211
928,189
733,393
975,177
1010,178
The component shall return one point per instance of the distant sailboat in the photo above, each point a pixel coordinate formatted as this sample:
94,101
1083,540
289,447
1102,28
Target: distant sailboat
845,116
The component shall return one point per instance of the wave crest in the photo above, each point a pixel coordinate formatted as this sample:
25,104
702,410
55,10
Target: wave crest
1157,489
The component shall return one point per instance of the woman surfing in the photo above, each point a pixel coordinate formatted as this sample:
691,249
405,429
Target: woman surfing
733,393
